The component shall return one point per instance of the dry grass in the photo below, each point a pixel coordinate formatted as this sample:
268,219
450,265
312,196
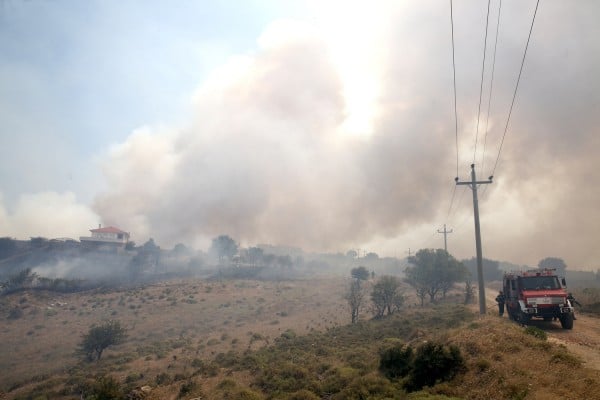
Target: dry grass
177,329
169,324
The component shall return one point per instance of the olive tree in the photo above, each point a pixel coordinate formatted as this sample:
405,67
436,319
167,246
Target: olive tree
99,337
433,272
356,292
386,296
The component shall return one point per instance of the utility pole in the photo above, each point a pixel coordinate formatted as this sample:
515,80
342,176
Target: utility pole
445,232
409,254
473,184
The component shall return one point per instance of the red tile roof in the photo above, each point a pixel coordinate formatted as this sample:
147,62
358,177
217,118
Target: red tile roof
108,229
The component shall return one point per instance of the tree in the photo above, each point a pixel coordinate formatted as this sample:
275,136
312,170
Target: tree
351,254
491,268
356,293
386,296
147,258
360,273
554,263
180,249
433,272
99,337
223,246
372,256
355,297
255,255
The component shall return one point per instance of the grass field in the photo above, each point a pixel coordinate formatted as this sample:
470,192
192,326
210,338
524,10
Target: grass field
267,340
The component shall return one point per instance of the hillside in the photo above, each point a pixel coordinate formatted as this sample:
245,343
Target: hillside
272,340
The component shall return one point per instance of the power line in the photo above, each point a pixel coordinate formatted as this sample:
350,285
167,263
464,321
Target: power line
516,87
454,75
487,19
487,120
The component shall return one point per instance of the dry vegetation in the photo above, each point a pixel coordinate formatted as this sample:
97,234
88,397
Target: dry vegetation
262,340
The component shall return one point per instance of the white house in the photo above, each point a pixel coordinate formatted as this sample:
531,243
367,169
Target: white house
107,236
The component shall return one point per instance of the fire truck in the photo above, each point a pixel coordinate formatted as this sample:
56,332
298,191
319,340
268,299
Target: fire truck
538,293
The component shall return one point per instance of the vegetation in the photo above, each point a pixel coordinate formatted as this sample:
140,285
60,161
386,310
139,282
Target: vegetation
222,346
386,296
433,272
223,247
100,337
554,263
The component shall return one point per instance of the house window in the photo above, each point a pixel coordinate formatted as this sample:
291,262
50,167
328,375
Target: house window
119,236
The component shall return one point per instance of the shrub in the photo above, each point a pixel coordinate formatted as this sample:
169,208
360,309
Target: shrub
396,361
368,387
434,362
189,387
303,394
536,332
163,379
107,388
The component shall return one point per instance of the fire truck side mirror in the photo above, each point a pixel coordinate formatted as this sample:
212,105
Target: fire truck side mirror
564,282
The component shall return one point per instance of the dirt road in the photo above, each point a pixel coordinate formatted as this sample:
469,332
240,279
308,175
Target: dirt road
583,340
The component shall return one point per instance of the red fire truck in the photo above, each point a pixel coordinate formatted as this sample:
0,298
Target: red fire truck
538,293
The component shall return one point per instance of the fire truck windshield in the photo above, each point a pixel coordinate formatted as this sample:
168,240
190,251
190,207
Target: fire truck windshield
539,282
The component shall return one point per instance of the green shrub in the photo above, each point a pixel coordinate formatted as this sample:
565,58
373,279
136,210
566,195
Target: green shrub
303,394
396,361
190,387
536,332
434,362
369,387
562,357
107,388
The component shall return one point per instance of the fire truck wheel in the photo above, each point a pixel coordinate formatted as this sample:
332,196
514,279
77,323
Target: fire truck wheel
566,321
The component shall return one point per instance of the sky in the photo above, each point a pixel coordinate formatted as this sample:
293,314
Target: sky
326,125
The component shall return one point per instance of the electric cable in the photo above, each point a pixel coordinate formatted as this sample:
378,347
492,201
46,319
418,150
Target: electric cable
516,88
487,19
487,120
454,75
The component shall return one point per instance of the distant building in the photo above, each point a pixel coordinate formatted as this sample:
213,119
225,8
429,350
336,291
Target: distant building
107,237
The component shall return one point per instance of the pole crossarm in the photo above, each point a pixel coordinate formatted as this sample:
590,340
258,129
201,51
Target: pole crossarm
445,232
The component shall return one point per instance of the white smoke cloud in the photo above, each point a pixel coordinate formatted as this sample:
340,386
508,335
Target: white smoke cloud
47,214
267,158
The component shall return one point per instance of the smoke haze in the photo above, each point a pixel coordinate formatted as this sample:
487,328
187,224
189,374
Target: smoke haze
269,154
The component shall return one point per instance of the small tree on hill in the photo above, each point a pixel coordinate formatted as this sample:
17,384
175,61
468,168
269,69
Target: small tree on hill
386,296
223,246
99,337
361,273
433,272
355,297
356,292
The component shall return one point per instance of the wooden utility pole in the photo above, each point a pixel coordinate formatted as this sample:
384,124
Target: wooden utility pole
473,184
445,232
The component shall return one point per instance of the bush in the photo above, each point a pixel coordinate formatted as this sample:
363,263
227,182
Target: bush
107,388
303,394
536,332
434,362
189,387
396,362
